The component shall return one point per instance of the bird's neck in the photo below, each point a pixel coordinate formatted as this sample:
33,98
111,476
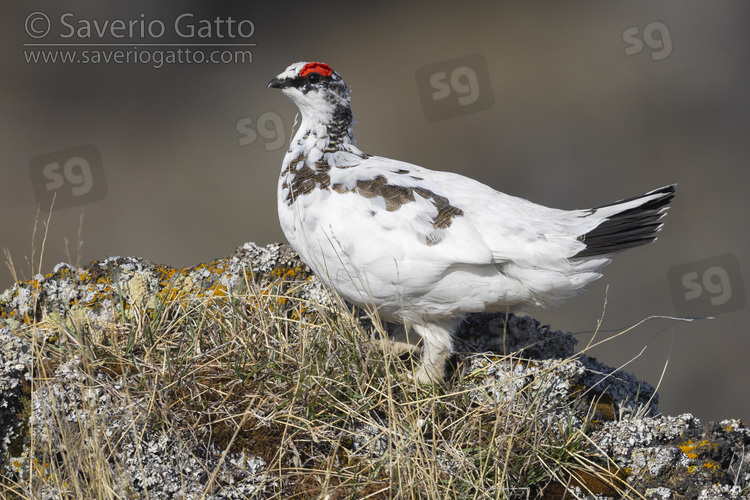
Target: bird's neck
324,131
322,140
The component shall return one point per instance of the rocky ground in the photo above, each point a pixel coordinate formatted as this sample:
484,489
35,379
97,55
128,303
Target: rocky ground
69,378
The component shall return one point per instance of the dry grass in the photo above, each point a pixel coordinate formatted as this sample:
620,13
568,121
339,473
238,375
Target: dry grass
301,387
298,384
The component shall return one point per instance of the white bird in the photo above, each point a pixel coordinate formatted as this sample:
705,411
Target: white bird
424,247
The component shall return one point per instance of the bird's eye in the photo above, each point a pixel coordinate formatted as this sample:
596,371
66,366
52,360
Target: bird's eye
313,78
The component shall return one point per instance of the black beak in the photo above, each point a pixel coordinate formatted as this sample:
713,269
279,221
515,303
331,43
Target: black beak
276,84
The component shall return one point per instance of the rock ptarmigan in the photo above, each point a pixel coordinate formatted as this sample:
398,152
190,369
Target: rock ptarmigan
426,248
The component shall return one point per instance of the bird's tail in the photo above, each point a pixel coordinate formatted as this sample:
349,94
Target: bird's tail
627,223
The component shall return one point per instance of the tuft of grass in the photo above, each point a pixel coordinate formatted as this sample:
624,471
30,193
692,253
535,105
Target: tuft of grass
263,373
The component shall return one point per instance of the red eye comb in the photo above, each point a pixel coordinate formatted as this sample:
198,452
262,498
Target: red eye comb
314,67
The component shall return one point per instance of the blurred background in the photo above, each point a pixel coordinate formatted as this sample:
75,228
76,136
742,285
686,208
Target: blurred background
173,156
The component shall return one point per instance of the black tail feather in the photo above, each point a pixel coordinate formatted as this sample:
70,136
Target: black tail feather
630,228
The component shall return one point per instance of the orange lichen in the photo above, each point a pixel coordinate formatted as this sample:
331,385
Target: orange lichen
709,465
693,450
110,283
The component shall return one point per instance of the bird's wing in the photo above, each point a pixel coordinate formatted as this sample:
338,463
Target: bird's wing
451,218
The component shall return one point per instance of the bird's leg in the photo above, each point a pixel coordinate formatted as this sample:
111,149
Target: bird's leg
401,341
437,348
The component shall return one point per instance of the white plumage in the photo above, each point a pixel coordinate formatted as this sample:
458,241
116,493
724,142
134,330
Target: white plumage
424,247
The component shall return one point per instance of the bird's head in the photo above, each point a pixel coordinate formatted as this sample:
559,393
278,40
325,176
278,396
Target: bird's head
315,88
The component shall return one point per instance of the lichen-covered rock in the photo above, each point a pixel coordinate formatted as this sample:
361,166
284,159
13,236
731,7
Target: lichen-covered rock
670,456
15,362
523,336
504,361
153,461
106,291
545,360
